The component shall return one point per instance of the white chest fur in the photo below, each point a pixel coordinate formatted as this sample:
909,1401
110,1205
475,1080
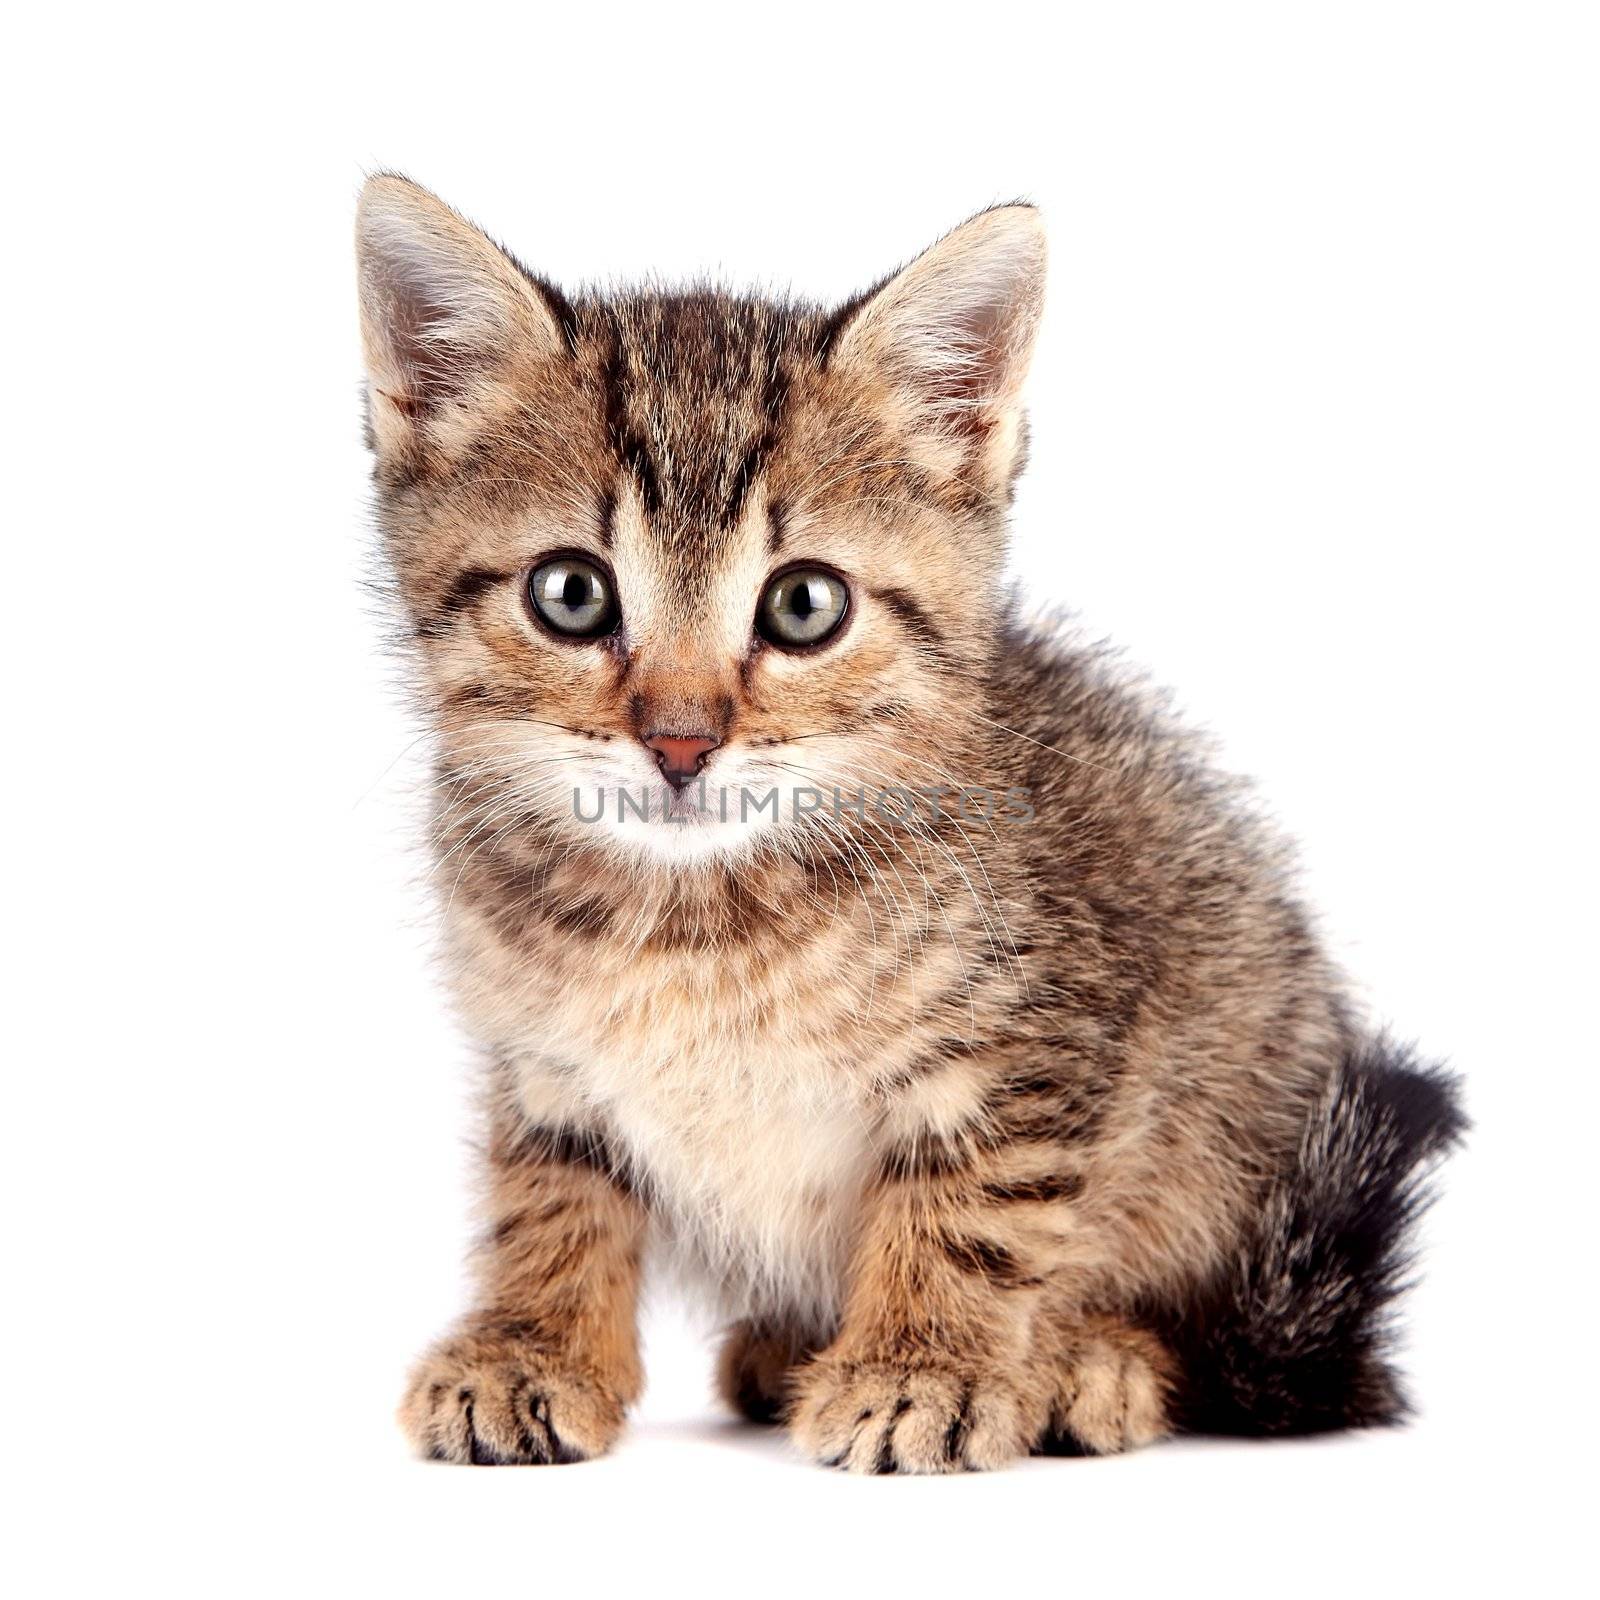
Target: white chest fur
756,1175
746,1085
750,1128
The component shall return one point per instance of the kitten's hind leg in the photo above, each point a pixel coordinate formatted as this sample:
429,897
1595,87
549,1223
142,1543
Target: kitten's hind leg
1112,1385
754,1366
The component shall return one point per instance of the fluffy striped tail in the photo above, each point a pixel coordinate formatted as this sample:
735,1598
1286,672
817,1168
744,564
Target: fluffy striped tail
1295,1336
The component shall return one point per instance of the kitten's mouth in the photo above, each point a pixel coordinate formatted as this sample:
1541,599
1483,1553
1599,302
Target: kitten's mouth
695,802
704,803
698,803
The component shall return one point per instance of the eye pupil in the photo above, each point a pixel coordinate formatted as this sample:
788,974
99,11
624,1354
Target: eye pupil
800,603
573,591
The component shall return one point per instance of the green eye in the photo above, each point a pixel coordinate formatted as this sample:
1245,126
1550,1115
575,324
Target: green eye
574,597
802,607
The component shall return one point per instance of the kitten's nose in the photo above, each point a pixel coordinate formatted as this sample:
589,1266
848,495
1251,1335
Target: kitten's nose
681,756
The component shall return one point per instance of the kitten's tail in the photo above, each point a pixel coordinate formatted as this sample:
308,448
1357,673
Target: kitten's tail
1294,1338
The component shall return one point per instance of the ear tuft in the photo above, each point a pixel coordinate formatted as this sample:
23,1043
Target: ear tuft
954,330
442,306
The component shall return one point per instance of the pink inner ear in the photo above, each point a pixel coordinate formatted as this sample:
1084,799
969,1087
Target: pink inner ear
969,385
432,365
441,302
956,326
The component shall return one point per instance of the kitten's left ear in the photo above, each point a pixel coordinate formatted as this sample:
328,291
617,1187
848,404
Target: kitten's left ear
445,312
953,331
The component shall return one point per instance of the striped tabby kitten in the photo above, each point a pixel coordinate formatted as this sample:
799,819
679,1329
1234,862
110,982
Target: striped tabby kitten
895,967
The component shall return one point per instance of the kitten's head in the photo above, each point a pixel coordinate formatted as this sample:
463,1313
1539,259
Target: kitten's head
691,546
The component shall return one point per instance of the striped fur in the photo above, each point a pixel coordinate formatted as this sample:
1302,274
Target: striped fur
989,1132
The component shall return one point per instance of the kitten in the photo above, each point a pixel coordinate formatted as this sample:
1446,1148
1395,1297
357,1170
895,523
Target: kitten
978,1054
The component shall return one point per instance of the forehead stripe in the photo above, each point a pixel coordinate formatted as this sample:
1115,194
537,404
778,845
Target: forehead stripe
694,393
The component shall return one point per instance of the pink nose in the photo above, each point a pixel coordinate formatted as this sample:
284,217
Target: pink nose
681,756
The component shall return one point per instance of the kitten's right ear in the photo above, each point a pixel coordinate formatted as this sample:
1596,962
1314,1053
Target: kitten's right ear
444,312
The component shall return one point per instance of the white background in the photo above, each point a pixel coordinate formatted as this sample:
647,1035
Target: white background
1315,421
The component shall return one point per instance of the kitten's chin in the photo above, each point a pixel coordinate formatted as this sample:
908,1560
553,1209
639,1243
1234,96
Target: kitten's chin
705,842
681,829
685,843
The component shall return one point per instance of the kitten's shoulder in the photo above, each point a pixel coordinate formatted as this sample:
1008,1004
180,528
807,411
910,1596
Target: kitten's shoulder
1111,765
1054,683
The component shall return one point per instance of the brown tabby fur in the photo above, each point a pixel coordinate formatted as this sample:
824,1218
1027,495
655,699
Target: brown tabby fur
939,1111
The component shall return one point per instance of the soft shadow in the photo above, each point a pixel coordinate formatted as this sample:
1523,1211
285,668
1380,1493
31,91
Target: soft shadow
753,1437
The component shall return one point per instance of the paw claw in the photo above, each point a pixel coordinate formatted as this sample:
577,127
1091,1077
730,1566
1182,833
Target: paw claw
481,1400
881,1418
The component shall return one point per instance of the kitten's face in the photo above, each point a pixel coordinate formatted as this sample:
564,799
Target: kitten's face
673,553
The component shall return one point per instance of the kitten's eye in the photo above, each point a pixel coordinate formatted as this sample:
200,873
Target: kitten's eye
574,597
802,607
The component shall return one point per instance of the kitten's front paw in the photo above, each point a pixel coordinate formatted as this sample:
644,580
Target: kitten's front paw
884,1417
489,1400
